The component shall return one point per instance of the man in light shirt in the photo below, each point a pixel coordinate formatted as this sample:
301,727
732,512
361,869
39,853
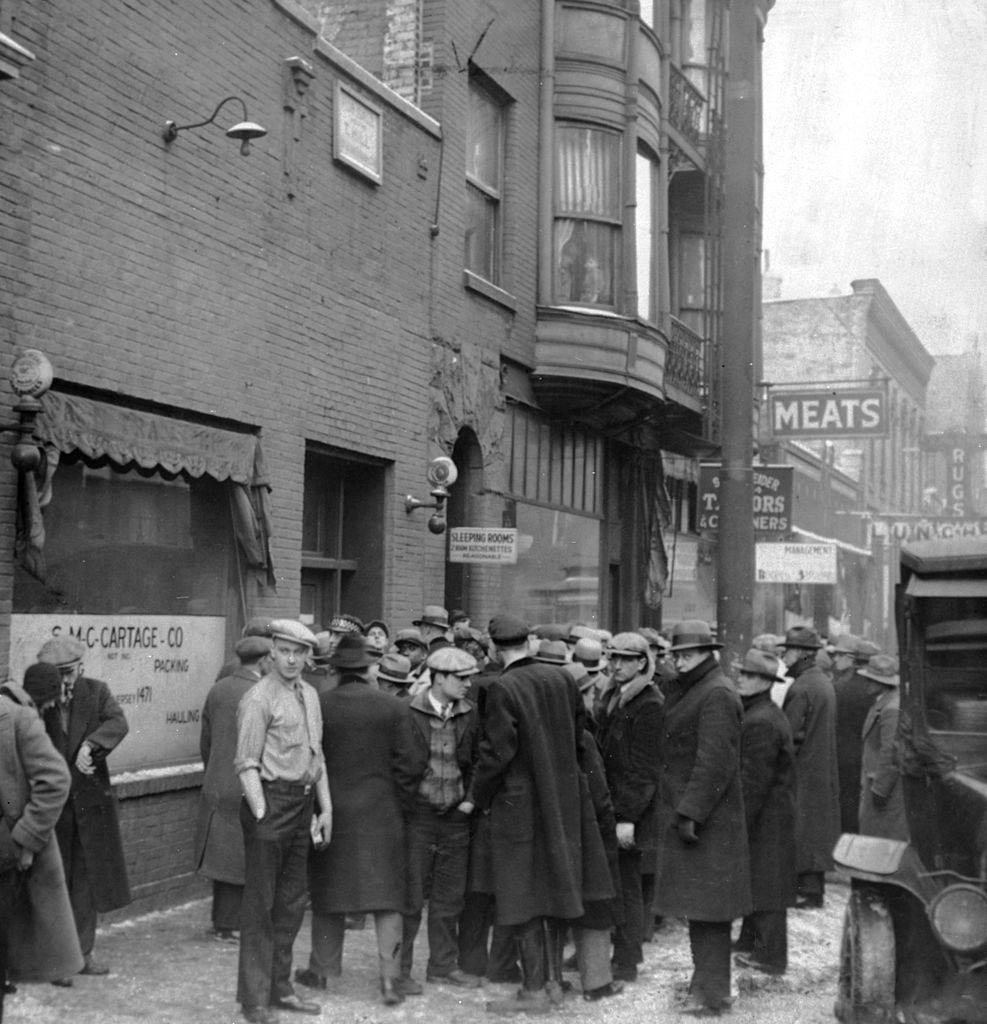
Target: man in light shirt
281,769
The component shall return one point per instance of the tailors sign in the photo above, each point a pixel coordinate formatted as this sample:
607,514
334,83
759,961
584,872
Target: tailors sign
849,412
772,499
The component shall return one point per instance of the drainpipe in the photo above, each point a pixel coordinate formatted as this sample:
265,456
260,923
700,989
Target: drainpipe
629,219
546,152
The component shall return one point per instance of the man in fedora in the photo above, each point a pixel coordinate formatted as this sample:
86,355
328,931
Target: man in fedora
85,726
810,705
703,868
433,624
219,837
393,674
767,767
366,743
882,804
281,770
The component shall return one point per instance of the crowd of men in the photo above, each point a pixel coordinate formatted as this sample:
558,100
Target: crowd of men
519,789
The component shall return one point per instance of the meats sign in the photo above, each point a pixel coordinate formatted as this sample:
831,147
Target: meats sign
860,412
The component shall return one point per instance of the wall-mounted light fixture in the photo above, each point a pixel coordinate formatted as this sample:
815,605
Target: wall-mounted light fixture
244,130
441,474
30,377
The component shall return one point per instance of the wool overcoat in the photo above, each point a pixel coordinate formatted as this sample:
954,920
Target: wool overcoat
810,706
700,779
767,773
371,770
91,809
853,699
880,774
34,785
547,856
219,835
628,734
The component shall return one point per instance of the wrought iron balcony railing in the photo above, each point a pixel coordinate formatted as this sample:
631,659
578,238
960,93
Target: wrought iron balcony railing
684,360
686,107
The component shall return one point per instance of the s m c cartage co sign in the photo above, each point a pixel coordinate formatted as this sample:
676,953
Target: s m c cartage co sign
850,412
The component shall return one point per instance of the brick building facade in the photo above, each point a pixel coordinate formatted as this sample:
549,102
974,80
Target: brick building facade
487,234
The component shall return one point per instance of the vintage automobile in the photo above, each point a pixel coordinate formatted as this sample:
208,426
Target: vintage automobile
914,945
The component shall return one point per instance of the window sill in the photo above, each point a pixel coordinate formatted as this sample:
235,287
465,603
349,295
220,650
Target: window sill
481,286
144,782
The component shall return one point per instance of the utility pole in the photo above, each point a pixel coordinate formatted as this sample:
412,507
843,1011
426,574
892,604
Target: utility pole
741,313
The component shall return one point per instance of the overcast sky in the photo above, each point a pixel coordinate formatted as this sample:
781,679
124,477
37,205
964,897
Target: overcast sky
875,151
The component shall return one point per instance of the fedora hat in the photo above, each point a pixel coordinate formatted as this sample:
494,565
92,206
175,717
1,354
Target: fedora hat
845,644
552,652
758,663
351,652
434,615
410,636
394,668
883,668
804,638
693,634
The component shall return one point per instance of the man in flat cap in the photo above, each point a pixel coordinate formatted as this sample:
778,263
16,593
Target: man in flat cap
219,837
853,700
767,762
703,871
444,738
529,777
85,726
629,739
281,770
810,705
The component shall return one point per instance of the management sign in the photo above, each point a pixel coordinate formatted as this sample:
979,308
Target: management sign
860,412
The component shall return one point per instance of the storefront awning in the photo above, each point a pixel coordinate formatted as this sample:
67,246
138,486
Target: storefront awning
841,544
72,423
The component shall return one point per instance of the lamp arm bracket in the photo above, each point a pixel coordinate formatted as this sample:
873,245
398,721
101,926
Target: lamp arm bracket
172,129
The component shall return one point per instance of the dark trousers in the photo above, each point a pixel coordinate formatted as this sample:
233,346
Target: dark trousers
80,893
710,944
438,856
226,900
10,883
275,892
329,932
811,885
540,942
629,935
485,949
764,934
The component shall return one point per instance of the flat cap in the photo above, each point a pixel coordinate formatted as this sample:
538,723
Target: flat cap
550,631
505,630
62,651
43,682
589,652
293,630
452,659
249,647
259,625
632,644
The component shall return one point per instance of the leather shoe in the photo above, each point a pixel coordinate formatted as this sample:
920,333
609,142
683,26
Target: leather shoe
258,1015
752,963
307,977
293,1001
93,966
391,991
611,988
624,973
694,1007
62,982
409,986
456,977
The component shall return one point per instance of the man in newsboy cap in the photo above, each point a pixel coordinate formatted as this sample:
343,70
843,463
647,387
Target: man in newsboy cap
85,726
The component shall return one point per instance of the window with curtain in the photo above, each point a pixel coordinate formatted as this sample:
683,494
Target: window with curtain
484,174
646,231
587,215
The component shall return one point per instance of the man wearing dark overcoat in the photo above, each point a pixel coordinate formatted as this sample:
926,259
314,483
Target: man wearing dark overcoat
85,726
882,801
850,654
628,735
219,837
703,867
767,771
547,854
38,939
810,705
372,782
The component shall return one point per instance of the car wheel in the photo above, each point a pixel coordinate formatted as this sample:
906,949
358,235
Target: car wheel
866,986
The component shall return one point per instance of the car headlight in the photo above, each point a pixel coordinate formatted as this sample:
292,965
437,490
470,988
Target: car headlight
959,917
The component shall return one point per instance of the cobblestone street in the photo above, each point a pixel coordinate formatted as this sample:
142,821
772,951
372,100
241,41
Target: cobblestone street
166,969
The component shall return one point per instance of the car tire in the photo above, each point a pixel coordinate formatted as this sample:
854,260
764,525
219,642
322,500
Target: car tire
866,986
